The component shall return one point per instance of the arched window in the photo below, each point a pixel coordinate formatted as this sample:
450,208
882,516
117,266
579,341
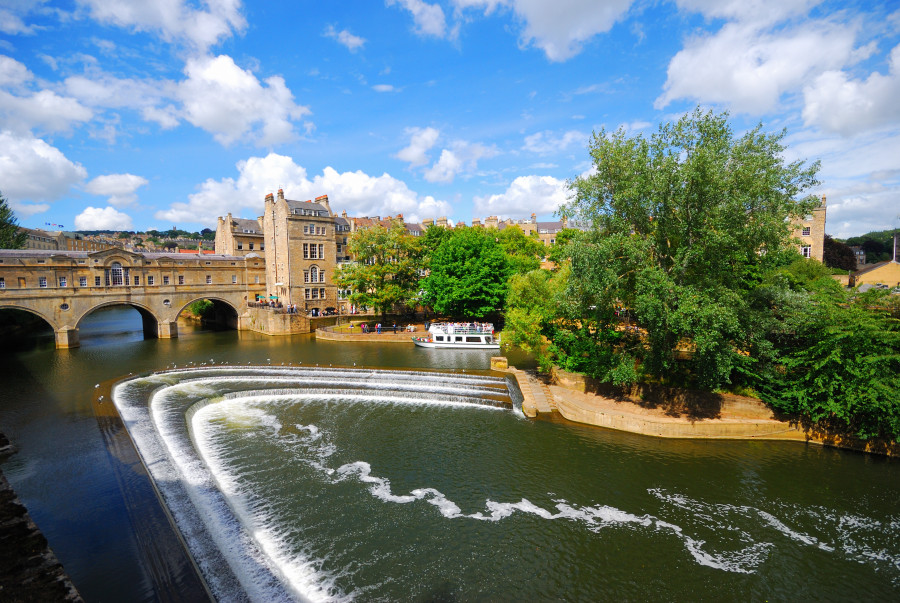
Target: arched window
115,275
314,274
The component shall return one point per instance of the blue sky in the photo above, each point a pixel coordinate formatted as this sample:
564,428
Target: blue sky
131,114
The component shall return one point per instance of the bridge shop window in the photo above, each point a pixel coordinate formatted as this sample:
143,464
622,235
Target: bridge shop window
42,281
151,280
209,279
234,279
96,281
116,276
180,279
255,280
165,280
21,282
82,281
63,282
137,281
2,283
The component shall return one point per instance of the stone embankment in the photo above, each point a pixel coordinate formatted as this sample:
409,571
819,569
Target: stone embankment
668,412
29,571
343,333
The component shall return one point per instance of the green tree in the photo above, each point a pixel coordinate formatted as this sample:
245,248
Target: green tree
523,252
469,272
691,219
10,235
385,268
558,252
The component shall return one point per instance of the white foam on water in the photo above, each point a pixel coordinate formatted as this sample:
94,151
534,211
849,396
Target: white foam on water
299,573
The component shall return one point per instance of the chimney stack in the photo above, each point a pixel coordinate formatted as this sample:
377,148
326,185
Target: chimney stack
280,195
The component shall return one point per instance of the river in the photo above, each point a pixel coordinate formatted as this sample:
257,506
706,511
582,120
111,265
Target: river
399,493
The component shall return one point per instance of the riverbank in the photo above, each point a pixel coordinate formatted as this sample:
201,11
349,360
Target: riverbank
731,417
388,335
29,571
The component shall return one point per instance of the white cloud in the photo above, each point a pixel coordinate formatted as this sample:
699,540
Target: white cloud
837,103
356,192
231,103
547,142
525,195
420,142
345,38
107,218
759,11
429,18
559,28
32,170
12,72
119,187
383,88
749,67
26,210
45,111
461,157
172,19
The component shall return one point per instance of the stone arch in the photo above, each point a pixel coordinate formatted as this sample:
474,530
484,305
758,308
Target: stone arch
226,313
149,319
13,306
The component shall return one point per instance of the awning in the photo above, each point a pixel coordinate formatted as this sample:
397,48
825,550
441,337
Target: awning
273,297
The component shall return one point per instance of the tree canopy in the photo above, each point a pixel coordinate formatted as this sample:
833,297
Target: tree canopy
524,252
10,236
385,271
469,272
686,221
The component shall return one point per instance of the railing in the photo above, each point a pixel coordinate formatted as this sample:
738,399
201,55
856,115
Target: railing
463,328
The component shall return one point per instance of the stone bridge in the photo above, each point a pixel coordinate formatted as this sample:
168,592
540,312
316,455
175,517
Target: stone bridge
62,287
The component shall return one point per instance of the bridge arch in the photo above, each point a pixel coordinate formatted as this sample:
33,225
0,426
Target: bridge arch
225,312
149,318
24,308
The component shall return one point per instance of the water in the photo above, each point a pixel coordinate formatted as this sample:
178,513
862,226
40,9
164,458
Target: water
330,485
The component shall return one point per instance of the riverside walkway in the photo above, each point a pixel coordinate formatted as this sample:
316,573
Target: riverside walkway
404,333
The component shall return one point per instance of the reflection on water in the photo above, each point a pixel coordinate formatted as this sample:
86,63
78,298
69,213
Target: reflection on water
353,497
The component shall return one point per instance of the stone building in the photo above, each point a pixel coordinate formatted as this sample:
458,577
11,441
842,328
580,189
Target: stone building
810,233
301,252
545,231
238,236
883,273
65,241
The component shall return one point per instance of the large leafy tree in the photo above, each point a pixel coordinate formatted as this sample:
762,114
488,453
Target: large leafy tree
469,273
838,255
524,252
385,269
691,218
10,235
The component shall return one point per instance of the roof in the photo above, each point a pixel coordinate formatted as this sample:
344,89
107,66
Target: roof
306,205
872,267
46,253
243,224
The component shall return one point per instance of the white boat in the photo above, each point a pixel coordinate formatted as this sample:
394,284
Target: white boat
472,335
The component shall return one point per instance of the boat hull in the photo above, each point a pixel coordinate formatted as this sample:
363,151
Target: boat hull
457,346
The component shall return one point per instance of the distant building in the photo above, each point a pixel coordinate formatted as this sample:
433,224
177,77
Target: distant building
860,255
810,233
64,241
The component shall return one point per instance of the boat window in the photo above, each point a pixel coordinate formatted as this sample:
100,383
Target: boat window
439,338
473,339
458,338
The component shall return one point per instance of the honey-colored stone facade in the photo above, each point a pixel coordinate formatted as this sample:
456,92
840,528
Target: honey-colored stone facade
301,253
810,233
237,236
63,287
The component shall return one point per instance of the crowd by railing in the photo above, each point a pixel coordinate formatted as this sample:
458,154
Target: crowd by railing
464,328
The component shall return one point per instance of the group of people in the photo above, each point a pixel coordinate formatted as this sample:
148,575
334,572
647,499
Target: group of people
365,328
469,327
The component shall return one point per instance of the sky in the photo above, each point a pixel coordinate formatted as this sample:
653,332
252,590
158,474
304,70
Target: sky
137,115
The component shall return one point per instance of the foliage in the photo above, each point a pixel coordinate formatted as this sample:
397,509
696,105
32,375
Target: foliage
203,308
10,235
878,245
207,234
834,357
558,252
469,272
523,252
691,220
385,269
838,255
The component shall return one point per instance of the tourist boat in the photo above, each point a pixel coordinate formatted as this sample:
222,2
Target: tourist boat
471,335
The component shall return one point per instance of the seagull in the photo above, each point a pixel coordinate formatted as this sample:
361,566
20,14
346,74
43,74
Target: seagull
96,386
